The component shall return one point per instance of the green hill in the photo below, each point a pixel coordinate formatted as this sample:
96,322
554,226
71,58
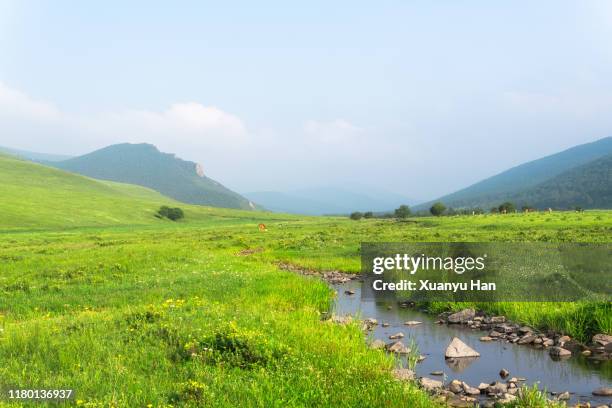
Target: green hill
35,196
586,186
144,165
519,180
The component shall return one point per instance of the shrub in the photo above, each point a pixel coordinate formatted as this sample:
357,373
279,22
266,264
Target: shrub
437,209
402,212
356,215
170,213
507,207
368,214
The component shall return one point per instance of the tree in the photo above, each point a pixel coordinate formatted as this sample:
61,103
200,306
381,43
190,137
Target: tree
437,209
403,211
356,215
368,214
507,207
170,213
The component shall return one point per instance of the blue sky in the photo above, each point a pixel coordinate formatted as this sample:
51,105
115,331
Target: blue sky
420,97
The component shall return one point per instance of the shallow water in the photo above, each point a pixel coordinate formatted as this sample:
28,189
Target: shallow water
578,375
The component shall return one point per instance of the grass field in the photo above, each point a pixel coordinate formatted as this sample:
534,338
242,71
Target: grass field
100,296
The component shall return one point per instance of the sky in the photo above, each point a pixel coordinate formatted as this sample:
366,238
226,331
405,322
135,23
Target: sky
417,97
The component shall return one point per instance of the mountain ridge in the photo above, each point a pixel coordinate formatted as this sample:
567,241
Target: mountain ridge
144,165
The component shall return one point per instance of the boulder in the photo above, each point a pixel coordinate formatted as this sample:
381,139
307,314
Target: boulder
602,339
560,352
503,373
497,389
430,384
470,390
564,396
458,349
527,339
603,392
398,347
455,386
462,316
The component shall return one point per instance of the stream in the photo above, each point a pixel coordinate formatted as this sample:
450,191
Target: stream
579,375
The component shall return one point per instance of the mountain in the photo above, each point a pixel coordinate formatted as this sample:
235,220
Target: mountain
525,178
144,165
586,186
327,200
33,155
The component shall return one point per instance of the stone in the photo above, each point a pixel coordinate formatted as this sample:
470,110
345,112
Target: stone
495,333
527,339
525,330
430,384
564,396
437,373
486,338
349,292
586,353
483,386
504,328
470,390
560,352
412,323
497,389
602,339
603,392
398,347
371,322
458,349
386,324
503,373
459,402
396,336
462,316
455,386
377,345
562,340
403,374
497,319
547,342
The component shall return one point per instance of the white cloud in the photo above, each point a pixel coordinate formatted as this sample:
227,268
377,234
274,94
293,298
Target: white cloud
31,124
14,103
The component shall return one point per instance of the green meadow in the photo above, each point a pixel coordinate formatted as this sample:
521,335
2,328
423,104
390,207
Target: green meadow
129,310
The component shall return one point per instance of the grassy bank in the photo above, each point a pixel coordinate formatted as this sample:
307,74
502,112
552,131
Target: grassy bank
170,317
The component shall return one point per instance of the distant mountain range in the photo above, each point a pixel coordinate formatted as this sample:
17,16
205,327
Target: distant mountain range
579,176
144,165
327,201
34,156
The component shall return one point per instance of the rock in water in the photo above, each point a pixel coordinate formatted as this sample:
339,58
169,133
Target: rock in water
603,392
458,349
560,352
462,316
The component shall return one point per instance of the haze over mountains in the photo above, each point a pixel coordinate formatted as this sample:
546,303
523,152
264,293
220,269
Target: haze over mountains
328,200
579,176
144,165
